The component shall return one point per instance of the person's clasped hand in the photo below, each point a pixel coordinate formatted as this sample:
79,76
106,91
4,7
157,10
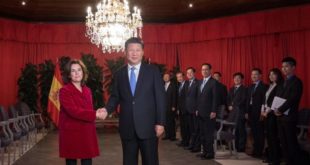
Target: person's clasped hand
101,113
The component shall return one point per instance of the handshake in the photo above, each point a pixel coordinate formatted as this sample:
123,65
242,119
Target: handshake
101,113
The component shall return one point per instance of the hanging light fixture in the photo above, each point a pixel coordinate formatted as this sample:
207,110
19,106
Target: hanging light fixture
113,24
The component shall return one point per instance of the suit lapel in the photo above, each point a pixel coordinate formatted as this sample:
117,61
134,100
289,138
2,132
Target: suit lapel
206,85
140,78
126,78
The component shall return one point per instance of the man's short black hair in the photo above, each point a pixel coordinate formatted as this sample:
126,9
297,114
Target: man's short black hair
191,68
134,40
219,73
179,72
257,70
290,60
207,64
238,74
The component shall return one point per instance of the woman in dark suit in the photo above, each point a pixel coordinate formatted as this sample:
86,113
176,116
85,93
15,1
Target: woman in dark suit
273,152
77,131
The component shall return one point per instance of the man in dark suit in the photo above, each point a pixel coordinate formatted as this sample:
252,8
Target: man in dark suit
236,101
255,99
181,108
287,114
191,107
171,108
223,94
207,106
138,89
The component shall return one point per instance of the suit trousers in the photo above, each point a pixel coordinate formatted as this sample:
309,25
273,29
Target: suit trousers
147,147
170,125
207,130
241,135
288,140
257,128
185,131
195,142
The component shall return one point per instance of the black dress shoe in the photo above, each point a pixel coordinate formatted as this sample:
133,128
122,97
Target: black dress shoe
173,139
274,163
266,161
188,148
185,145
195,150
240,150
200,155
207,157
258,156
180,144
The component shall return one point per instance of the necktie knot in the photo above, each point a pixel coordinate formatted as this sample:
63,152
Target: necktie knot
133,68
204,81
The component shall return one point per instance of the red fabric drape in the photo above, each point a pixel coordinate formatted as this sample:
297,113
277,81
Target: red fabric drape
230,44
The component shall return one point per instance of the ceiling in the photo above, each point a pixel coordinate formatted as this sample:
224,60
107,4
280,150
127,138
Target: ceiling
153,11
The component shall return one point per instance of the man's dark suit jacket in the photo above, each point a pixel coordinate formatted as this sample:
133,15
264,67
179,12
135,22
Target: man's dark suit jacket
258,96
237,99
139,113
208,99
191,96
291,90
171,99
181,99
223,94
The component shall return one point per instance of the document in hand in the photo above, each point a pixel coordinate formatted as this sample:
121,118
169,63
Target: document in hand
277,102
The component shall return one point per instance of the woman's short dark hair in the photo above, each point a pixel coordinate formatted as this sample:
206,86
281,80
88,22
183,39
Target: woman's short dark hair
67,71
278,73
238,74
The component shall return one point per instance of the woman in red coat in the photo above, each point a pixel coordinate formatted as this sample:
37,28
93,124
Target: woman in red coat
77,131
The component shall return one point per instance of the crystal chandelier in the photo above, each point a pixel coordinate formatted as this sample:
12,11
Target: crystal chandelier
112,25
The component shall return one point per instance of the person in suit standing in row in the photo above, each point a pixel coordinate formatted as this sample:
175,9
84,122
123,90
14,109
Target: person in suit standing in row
181,107
207,107
255,99
191,107
171,108
236,101
287,114
273,151
138,89
223,94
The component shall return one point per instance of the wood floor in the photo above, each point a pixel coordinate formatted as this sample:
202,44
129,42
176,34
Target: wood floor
46,153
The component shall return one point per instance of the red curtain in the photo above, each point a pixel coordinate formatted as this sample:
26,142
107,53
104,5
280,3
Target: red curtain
230,44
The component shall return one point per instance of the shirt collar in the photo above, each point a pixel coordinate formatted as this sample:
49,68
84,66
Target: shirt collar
290,76
237,86
207,78
136,66
257,82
